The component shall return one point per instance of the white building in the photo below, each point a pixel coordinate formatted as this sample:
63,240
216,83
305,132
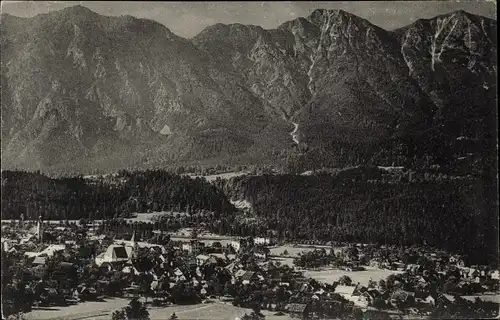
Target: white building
263,241
235,244
49,251
201,259
114,253
187,247
495,275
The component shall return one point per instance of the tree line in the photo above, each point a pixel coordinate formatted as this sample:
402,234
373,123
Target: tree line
455,214
31,195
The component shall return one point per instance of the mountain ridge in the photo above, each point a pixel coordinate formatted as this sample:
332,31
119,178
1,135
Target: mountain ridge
82,83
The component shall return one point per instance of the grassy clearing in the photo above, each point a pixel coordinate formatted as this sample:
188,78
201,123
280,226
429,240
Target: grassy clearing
103,310
362,277
225,176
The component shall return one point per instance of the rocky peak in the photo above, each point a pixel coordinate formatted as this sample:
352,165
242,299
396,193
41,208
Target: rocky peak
76,13
327,18
444,36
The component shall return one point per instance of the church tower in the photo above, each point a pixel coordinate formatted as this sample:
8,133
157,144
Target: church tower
39,229
134,246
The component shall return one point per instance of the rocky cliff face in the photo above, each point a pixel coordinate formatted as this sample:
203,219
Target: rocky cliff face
82,91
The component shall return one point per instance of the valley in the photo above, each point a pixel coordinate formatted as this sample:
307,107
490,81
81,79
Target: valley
323,167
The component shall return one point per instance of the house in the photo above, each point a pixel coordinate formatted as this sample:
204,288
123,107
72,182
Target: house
203,292
233,267
298,309
111,266
430,300
49,251
263,241
345,291
260,254
401,297
464,272
39,260
445,299
155,284
495,275
179,275
473,273
375,263
457,260
414,268
364,301
129,268
194,246
236,245
239,273
53,249
369,296
113,253
399,266
201,259
187,247
385,265
249,277
320,291
86,292
5,245
212,260
195,282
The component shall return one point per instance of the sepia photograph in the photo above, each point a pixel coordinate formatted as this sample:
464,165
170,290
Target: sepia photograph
249,160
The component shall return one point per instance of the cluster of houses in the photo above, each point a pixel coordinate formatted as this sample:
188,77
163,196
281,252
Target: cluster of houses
243,273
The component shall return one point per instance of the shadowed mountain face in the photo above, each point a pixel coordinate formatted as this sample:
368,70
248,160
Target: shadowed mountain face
82,91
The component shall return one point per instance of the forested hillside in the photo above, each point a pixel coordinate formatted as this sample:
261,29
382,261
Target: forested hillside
355,205
35,195
454,213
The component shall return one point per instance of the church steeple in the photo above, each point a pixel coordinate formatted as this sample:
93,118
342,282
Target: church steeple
39,229
134,245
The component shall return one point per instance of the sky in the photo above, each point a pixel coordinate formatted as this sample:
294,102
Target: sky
187,19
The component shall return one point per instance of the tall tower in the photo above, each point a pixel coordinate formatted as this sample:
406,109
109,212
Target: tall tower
134,246
39,229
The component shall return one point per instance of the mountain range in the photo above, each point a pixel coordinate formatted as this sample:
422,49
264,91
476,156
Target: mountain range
84,92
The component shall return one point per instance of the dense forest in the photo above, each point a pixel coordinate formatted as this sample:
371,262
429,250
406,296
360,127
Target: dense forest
454,213
33,195
362,204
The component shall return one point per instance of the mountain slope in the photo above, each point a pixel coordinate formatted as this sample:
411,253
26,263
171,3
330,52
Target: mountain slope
79,83
82,91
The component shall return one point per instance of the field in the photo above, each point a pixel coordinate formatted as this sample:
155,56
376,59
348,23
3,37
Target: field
328,275
227,175
357,276
103,310
81,310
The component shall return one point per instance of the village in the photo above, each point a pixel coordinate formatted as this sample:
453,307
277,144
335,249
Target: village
59,265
